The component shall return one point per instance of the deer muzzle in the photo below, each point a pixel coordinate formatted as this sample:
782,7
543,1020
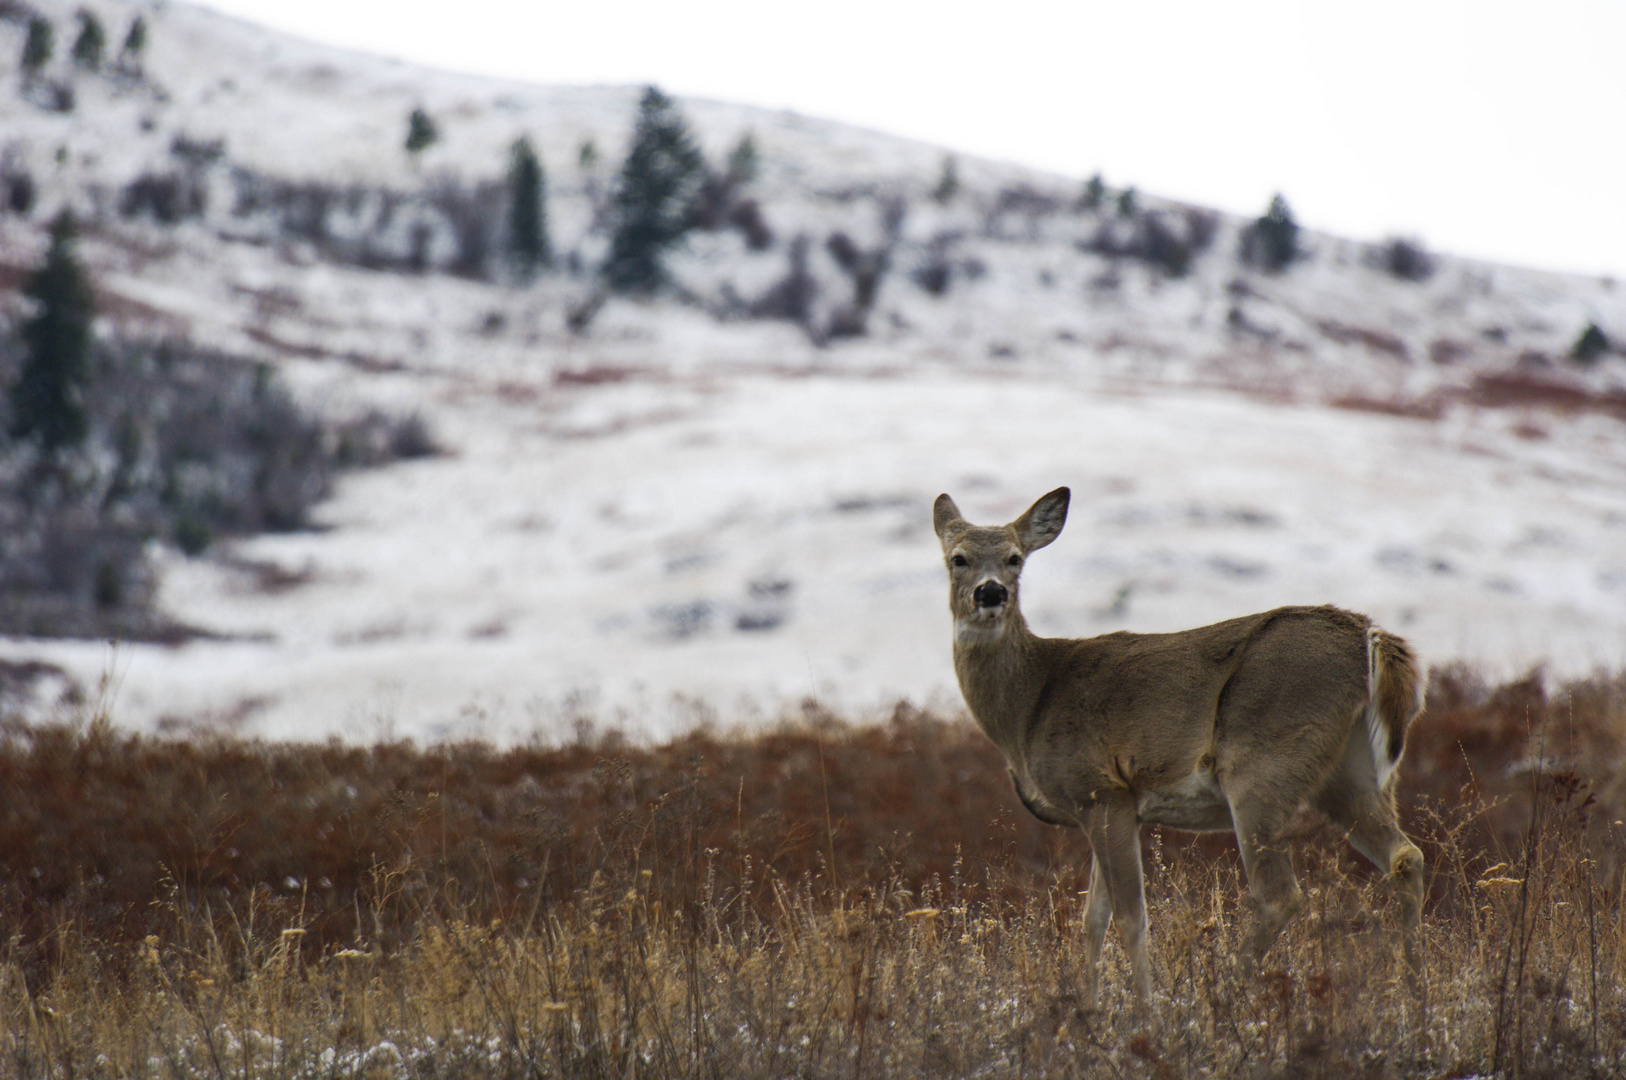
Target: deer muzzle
990,594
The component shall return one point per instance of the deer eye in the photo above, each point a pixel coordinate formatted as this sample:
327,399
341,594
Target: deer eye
958,560
1014,560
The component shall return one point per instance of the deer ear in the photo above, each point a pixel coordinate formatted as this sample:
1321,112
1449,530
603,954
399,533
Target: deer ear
944,515
1044,519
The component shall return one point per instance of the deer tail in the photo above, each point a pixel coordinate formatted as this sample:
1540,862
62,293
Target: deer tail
1394,697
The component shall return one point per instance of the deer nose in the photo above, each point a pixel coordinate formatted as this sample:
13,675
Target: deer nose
990,594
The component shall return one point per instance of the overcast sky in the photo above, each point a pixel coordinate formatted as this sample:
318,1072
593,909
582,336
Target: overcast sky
1487,128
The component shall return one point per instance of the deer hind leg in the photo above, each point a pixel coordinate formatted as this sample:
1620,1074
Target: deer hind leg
1097,917
1260,822
1368,817
1115,837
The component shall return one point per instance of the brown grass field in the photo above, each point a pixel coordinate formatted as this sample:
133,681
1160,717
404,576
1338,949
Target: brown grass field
819,899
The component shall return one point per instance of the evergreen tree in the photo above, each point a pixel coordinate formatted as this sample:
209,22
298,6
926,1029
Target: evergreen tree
421,132
1094,193
1272,241
1127,203
587,156
91,42
743,162
38,47
135,45
528,244
1591,345
1406,258
48,400
654,195
19,193
948,181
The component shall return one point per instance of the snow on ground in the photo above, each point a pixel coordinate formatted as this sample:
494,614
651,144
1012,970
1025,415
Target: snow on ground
752,541
677,518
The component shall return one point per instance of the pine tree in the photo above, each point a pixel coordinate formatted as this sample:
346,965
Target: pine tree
654,195
1127,203
421,132
1094,193
528,244
948,181
1591,345
91,42
587,156
38,47
1406,258
20,193
743,162
135,45
48,399
1272,241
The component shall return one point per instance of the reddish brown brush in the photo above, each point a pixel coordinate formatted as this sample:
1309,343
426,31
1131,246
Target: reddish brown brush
817,899
1481,755
100,823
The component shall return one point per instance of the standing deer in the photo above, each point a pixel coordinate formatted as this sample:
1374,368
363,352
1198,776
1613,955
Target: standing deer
1229,727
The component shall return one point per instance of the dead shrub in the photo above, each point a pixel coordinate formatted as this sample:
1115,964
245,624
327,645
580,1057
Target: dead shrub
1377,340
815,899
167,198
1018,211
792,296
186,445
866,268
1164,239
1405,258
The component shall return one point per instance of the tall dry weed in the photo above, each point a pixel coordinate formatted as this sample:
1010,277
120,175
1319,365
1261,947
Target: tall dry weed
816,900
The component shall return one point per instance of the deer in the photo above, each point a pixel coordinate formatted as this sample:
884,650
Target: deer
1225,728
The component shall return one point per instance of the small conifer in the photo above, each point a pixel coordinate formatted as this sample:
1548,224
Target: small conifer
743,161
528,244
19,193
135,45
587,156
38,46
48,399
421,132
1094,193
948,181
1591,345
1406,258
1127,203
1272,241
91,42
652,205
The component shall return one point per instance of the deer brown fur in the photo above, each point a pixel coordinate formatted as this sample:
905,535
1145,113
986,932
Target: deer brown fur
1230,727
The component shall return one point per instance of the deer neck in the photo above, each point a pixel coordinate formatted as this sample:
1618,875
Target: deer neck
1001,676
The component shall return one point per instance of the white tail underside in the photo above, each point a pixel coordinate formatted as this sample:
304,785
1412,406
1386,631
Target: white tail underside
1377,725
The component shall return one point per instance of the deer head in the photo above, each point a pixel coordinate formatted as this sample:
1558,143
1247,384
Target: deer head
985,562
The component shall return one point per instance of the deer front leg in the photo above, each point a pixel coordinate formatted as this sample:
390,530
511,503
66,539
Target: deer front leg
1115,836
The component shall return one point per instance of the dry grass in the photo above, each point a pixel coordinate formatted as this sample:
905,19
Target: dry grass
817,900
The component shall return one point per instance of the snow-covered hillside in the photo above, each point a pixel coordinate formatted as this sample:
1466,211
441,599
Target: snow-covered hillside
691,510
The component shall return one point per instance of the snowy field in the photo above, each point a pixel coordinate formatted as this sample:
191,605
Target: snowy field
677,518
723,547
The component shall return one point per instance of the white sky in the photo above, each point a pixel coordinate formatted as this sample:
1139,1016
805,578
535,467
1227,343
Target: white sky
1488,128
